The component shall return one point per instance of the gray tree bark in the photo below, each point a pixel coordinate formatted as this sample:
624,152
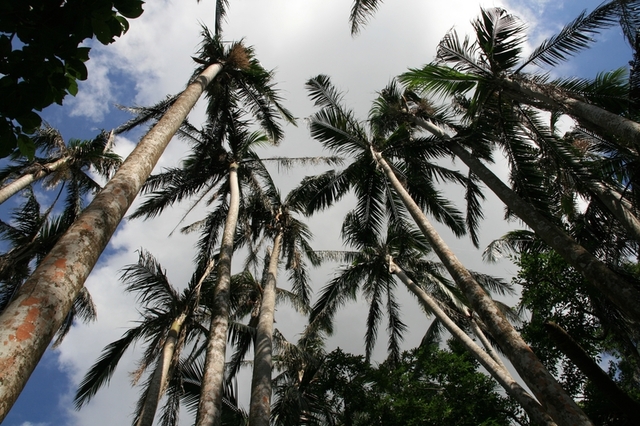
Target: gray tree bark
10,189
160,374
495,369
260,406
589,115
611,284
210,403
29,323
555,401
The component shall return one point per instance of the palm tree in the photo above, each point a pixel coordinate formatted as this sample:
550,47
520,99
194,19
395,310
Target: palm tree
170,320
28,323
498,71
505,45
273,218
61,163
374,265
30,239
338,130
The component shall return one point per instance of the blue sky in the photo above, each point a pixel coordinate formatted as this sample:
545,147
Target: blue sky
299,41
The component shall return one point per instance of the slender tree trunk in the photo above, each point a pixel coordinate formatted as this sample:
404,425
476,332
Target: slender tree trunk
611,284
210,402
161,374
497,370
589,115
548,391
31,320
260,408
620,211
485,342
10,189
592,370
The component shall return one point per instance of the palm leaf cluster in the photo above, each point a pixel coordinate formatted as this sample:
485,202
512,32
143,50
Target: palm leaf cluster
394,174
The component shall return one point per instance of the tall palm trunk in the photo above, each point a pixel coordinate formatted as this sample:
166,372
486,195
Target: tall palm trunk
161,374
497,370
28,324
475,328
10,189
572,350
260,408
548,391
621,211
210,402
612,285
627,131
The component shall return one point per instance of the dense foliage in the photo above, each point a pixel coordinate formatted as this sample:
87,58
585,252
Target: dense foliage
42,56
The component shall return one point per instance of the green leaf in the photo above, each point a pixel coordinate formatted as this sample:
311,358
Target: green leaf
102,31
82,53
129,8
26,146
123,23
72,88
30,122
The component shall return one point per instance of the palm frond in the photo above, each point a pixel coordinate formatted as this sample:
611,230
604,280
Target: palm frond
361,12
574,37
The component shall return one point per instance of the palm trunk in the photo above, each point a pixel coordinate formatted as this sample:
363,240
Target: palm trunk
10,189
497,370
210,402
612,285
587,114
548,391
619,209
485,342
260,408
161,374
31,320
594,373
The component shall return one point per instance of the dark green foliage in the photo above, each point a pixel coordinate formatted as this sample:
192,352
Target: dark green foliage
553,291
427,386
41,59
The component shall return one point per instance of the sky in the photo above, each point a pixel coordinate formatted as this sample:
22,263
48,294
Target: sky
299,40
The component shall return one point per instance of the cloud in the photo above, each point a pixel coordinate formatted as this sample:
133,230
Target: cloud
299,40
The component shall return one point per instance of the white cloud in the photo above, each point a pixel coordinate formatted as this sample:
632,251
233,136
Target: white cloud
301,40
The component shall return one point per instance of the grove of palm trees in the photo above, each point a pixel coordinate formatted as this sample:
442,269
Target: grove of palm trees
337,213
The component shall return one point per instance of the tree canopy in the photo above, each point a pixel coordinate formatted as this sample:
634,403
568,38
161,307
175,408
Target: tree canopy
43,54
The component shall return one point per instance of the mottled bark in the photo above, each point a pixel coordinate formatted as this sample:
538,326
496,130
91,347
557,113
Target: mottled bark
592,370
160,374
10,189
210,402
475,327
260,406
553,99
29,323
619,208
611,284
495,369
560,406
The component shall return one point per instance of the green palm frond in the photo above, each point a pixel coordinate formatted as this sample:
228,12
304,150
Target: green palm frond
439,80
462,56
221,12
149,281
100,373
500,37
512,242
610,90
361,11
574,37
